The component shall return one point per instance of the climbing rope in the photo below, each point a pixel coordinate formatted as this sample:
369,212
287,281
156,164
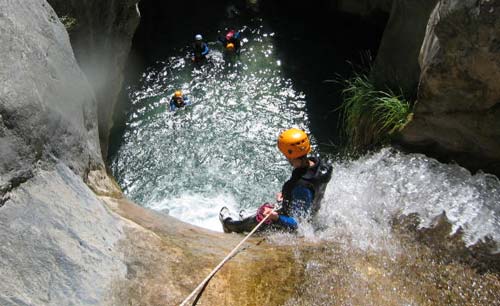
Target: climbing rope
204,283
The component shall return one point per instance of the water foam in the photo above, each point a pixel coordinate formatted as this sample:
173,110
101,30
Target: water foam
365,194
197,209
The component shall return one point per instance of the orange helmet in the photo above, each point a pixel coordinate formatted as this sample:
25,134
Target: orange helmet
230,46
294,143
178,94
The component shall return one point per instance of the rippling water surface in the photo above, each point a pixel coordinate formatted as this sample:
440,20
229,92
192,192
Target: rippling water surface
222,149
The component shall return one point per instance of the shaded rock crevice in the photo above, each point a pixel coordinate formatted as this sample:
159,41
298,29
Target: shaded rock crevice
101,37
396,65
15,181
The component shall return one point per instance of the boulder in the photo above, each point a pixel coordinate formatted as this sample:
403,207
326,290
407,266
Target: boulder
47,107
456,115
58,243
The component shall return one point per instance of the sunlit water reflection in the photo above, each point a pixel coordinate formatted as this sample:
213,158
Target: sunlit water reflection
222,149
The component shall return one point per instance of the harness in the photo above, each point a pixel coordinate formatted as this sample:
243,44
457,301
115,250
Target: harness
313,178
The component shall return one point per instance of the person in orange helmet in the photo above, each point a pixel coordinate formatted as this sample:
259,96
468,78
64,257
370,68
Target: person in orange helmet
300,196
178,100
231,41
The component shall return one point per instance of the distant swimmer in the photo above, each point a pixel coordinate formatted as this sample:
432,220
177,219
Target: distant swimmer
199,49
178,100
231,41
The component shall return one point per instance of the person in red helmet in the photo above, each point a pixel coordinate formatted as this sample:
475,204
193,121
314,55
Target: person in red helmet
231,41
300,196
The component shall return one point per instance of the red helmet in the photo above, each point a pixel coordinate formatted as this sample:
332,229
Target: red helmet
229,35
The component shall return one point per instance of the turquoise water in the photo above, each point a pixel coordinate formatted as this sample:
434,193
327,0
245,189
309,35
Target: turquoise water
219,151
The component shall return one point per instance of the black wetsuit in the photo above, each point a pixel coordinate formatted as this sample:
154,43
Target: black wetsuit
200,50
310,182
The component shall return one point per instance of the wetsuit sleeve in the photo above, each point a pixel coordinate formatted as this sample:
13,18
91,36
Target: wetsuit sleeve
172,105
287,222
186,100
205,49
302,198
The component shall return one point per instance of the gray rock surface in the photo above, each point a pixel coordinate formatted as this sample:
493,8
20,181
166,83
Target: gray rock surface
458,109
58,243
101,37
47,108
396,65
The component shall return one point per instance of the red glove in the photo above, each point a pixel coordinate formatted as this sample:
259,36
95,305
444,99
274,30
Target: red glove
263,211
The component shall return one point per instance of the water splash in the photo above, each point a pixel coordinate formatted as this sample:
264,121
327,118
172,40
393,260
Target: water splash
365,194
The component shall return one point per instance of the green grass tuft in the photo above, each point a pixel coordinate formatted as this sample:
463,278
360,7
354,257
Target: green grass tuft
370,117
68,22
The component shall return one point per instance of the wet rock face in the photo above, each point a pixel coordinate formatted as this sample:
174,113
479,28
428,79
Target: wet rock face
101,36
456,115
56,236
47,108
396,65
57,241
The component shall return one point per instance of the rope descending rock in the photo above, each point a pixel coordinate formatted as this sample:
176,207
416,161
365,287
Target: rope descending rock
203,284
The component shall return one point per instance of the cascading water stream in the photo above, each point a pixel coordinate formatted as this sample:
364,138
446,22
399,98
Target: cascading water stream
366,194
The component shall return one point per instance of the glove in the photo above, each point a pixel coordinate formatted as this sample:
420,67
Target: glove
260,213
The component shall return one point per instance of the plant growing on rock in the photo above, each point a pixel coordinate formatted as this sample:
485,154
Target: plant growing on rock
370,117
68,22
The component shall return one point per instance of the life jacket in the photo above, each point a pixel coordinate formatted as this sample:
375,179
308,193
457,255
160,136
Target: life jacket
314,178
